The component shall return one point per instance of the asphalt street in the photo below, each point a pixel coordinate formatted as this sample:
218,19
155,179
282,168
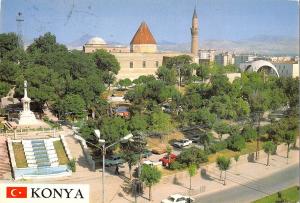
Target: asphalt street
255,189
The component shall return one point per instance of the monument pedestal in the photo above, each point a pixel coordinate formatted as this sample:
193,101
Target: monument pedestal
27,118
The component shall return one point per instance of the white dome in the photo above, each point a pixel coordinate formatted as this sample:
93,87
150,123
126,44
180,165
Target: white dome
96,40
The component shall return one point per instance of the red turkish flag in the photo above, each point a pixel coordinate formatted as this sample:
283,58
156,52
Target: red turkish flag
16,192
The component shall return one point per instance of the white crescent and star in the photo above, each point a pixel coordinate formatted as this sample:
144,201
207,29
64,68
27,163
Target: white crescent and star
12,192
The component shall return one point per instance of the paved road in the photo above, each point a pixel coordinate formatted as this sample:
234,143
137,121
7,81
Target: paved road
256,189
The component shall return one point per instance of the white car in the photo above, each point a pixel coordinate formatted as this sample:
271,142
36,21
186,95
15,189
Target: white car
177,198
182,143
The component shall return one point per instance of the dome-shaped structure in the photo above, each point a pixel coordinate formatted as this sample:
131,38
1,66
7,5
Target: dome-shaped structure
259,65
96,41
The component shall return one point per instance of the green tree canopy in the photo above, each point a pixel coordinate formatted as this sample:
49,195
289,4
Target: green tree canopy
150,175
192,155
8,42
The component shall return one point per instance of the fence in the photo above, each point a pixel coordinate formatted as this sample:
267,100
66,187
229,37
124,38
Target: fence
38,133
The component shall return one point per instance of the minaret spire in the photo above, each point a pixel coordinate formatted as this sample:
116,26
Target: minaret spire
195,33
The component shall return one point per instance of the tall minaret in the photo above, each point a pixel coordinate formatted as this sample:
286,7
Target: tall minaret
195,34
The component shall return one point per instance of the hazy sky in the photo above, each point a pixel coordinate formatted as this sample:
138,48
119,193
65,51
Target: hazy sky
170,20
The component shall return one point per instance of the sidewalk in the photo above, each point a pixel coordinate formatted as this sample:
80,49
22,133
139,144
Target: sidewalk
238,174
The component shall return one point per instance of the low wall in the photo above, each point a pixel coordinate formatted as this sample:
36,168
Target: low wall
11,156
85,149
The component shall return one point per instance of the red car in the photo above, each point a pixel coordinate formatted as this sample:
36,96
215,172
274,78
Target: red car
166,160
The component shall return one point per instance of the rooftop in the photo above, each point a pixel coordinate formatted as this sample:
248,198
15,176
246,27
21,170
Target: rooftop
143,35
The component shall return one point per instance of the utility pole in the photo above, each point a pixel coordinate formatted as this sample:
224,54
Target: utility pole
19,20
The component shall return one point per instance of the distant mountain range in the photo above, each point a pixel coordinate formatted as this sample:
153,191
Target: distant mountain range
262,44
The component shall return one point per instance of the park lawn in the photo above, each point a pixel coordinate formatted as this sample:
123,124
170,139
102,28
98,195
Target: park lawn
250,148
290,194
60,151
19,153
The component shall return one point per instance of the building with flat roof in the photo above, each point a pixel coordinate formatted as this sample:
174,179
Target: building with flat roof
287,68
224,59
207,54
242,58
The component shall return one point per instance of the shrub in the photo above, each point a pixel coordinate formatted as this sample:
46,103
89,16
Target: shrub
175,165
192,155
72,165
249,133
236,143
218,146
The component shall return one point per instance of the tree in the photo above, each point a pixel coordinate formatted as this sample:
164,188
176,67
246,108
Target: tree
167,75
138,122
106,61
160,122
221,128
9,72
73,104
113,129
206,139
107,64
130,157
223,164
249,133
8,42
192,155
4,88
200,117
44,84
289,138
202,71
46,44
236,142
150,175
182,66
192,170
125,83
220,85
269,148
236,158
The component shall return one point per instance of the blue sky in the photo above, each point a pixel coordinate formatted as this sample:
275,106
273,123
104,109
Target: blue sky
169,20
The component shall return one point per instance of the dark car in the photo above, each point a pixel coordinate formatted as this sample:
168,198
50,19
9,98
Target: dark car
146,153
114,160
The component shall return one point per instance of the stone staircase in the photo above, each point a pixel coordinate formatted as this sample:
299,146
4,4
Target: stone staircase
5,170
40,153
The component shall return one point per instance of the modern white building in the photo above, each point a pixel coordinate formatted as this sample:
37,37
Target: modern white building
287,68
224,59
207,54
258,66
242,58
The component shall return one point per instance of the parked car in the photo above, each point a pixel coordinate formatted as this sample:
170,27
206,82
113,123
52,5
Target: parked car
182,143
177,198
195,138
166,161
114,160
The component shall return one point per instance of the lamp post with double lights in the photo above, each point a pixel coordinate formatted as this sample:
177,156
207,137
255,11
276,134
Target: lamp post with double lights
104,148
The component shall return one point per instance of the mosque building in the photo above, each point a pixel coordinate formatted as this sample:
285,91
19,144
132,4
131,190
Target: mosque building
142,56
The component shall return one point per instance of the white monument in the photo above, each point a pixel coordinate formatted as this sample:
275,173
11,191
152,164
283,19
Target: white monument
27,117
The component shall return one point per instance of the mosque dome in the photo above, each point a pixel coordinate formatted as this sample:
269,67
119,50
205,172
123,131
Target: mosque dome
96,41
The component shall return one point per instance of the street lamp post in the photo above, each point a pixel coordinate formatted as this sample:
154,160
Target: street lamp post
102,141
